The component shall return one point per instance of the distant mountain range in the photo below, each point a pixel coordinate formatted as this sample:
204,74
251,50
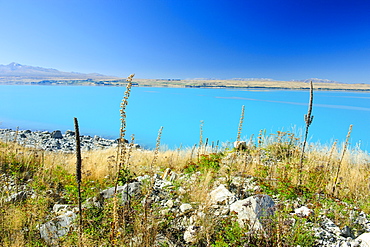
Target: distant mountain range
16,70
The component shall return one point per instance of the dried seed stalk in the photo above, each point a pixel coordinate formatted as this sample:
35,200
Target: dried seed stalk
240,124
157,145
121,143
308,118
121,156
200,138
78,177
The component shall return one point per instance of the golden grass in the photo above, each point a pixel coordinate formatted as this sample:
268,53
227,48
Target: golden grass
354,175
100,165
97,165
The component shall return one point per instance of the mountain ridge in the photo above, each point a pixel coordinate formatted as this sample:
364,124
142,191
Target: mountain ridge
19,70
25,71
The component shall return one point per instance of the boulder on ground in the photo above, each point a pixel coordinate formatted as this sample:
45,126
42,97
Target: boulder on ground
240,145
303,212
127,191
52,230
56,134
364,239
190,235
253,209
221,195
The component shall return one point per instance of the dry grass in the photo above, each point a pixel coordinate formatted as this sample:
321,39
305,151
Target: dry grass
272,155
353,176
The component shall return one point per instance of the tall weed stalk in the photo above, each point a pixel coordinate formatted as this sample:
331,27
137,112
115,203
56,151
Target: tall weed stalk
200,139
240,128
78,178
156,151
308,118
121,157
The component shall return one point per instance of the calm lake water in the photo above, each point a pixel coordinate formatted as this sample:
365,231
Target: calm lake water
180,111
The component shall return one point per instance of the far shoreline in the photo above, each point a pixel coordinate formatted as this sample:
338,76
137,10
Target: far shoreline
196,83
200,87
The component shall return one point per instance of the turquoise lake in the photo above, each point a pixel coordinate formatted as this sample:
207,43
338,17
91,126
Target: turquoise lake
181,110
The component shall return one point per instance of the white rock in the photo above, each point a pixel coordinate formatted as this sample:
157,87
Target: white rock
221,195
61,208
201,215
329,226
169,203
253,209
365,239
303,212
182,191
191,233
185,207
240,145
58,227
169,175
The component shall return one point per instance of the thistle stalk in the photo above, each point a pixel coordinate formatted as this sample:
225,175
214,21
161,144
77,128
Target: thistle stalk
240,124
78,177
157,145
200,138
121,143
121,157
308,118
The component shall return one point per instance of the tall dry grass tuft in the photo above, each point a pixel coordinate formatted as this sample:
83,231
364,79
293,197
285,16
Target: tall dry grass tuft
345,145
308,118
330,156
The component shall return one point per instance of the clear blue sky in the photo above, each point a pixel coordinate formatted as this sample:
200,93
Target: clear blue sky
282,40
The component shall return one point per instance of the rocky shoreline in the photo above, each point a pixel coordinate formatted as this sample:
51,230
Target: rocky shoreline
56,140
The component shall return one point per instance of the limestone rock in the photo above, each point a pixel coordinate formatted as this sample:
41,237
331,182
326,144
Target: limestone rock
347,232
56,134
127,191
191,233
108,193
303,212
253,209
130,190
365,239
169,203
69,133
329,226
57,227
185,207
240,145
221,195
